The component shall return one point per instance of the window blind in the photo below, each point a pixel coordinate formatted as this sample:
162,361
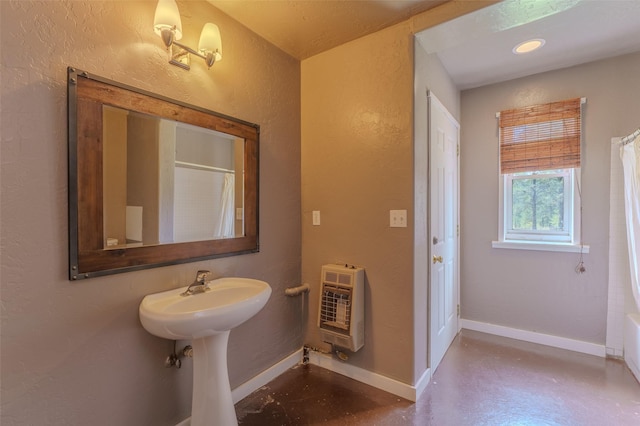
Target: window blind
540,137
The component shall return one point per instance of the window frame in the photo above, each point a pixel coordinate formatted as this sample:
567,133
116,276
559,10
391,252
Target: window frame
566,241
566,234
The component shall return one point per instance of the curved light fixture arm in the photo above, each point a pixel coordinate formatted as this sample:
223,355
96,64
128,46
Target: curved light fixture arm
209,57
179,53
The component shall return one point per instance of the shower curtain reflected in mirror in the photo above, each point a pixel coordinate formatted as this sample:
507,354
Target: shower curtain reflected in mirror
630,155
226,223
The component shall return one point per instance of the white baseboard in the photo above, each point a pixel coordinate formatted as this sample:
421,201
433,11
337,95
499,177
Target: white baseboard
372,379
260,380
266,376
328,362
422,384
533,337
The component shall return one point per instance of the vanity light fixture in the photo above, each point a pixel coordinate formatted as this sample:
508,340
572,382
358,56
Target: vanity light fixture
168,26
528,46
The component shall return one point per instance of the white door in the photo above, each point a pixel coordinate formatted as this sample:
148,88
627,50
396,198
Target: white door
443,174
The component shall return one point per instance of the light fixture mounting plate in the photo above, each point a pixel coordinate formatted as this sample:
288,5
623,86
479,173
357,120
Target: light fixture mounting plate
179,57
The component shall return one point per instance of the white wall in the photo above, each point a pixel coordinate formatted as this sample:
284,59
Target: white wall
540,291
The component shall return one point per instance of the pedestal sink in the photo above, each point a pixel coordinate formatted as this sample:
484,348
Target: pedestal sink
206,319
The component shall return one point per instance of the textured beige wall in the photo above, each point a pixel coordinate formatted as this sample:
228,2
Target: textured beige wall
74,353
357,162
540,291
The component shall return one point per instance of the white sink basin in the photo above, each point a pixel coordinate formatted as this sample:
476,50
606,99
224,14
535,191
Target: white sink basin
206,319
228,303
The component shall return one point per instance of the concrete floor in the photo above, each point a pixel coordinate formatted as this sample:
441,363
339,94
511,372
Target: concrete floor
483,380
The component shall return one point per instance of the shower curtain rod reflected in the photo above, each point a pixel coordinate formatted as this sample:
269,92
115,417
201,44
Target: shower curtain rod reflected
202,167
630,138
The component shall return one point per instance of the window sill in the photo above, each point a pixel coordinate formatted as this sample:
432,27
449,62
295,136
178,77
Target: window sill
540,246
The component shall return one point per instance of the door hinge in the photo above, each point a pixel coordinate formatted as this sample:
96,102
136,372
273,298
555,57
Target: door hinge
458,150
458,310
458,230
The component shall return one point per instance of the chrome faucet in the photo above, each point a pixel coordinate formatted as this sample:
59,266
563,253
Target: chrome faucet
199,285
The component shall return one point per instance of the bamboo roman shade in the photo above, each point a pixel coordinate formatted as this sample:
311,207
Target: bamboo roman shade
540,137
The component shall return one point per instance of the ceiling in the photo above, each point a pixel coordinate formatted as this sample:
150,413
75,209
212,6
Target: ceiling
304,28
476,49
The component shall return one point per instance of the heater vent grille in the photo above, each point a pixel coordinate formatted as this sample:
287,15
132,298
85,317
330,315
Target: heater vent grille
335,308
341,310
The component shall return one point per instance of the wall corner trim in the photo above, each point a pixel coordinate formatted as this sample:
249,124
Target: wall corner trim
266,376
422,383
533,337
367,377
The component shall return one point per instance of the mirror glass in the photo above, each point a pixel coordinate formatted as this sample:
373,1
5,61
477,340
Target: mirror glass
168,182
154,181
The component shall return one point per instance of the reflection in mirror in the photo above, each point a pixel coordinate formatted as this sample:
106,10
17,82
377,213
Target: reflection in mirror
154,181
168,182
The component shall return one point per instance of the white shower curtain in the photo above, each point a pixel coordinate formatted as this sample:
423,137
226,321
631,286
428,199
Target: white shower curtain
630,154
225,224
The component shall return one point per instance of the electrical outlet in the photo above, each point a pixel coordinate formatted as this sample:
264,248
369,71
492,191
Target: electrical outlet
398,218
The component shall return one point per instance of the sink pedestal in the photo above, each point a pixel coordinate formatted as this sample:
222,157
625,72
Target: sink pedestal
212,404
206,319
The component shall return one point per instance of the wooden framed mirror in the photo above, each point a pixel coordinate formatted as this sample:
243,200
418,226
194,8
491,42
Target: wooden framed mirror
154,181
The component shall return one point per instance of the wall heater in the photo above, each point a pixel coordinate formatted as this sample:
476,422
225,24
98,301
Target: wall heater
341,310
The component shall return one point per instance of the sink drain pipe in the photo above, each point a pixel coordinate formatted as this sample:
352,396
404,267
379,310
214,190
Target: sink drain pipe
175,359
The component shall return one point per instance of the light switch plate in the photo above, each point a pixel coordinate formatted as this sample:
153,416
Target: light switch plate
398,218
316,217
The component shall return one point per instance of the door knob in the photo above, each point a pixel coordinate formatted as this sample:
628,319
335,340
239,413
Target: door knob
437,259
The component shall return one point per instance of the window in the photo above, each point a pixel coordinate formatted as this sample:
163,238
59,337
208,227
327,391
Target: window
538,206
540,177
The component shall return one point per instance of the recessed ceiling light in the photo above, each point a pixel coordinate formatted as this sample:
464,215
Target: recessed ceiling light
528,46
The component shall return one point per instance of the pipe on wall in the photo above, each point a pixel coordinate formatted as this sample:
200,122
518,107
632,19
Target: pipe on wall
295,291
